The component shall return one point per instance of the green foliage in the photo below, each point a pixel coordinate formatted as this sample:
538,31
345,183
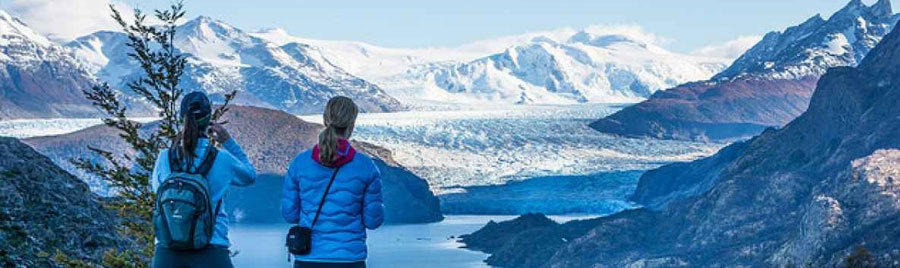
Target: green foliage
153,49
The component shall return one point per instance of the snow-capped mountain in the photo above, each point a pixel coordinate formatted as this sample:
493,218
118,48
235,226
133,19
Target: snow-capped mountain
563,66
588,67
291,77
768,86
374,63
37,77
815,45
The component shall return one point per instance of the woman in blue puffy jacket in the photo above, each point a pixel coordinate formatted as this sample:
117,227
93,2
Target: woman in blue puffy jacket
353,203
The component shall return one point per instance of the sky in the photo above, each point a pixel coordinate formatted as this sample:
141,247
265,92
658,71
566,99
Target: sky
689,26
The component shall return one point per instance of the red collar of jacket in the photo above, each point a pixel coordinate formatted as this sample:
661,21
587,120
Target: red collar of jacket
344,154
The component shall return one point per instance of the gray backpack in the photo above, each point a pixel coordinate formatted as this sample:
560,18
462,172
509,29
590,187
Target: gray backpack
184,218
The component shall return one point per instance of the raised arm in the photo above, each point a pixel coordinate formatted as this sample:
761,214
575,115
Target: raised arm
242,170
373,206
290,197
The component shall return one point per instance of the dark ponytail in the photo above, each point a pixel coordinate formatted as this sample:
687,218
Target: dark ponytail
188,138
195,115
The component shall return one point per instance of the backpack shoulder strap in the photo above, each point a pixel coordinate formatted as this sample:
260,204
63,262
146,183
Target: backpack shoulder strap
208,161
322,202
174,163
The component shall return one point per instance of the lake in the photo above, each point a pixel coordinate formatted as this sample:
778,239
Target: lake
392,246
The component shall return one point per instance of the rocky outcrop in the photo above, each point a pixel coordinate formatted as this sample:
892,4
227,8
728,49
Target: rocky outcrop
44,209
806,194
676,181
768,86
531,239
271,140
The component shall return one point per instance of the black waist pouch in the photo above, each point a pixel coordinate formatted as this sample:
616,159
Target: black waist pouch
299,240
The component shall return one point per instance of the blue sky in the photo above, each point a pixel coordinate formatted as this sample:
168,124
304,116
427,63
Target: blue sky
686,24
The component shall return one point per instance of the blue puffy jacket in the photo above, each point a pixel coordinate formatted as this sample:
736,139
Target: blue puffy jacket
353,205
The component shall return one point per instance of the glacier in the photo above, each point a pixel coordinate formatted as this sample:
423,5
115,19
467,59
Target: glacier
491,145
480,145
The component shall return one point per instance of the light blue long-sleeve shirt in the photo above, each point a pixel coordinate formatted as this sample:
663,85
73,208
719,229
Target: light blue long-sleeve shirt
231,167
353,205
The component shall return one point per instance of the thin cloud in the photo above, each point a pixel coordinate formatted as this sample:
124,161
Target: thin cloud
729,50
64,20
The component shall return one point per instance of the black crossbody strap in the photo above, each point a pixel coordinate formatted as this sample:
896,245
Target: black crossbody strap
322,202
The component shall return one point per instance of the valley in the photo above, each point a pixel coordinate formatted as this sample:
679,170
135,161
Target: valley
594,146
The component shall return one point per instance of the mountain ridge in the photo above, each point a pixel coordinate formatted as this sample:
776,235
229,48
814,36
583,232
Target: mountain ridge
222,58
767,86
38,79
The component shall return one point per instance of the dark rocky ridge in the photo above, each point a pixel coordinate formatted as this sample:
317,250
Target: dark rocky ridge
808,193
271,139
768,86
44,209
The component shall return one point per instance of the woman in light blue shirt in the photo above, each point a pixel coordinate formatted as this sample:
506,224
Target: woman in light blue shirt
230,168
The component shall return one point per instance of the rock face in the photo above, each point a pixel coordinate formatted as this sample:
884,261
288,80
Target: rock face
769,85
292,77
658,187
44,209
37,78
271,140
806,194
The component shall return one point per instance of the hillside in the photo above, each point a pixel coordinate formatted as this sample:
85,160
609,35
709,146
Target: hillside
44,209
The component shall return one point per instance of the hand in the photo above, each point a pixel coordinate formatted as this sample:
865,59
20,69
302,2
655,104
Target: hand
219,133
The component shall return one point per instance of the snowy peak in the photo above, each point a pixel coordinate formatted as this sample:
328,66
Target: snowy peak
213,40
206,28
37,77
815,45
13,30
591,65
293,77
855,9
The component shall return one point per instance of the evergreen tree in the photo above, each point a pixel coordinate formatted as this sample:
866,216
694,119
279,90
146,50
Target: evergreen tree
153,49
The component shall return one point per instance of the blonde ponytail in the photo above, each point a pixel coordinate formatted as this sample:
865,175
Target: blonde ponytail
339,117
